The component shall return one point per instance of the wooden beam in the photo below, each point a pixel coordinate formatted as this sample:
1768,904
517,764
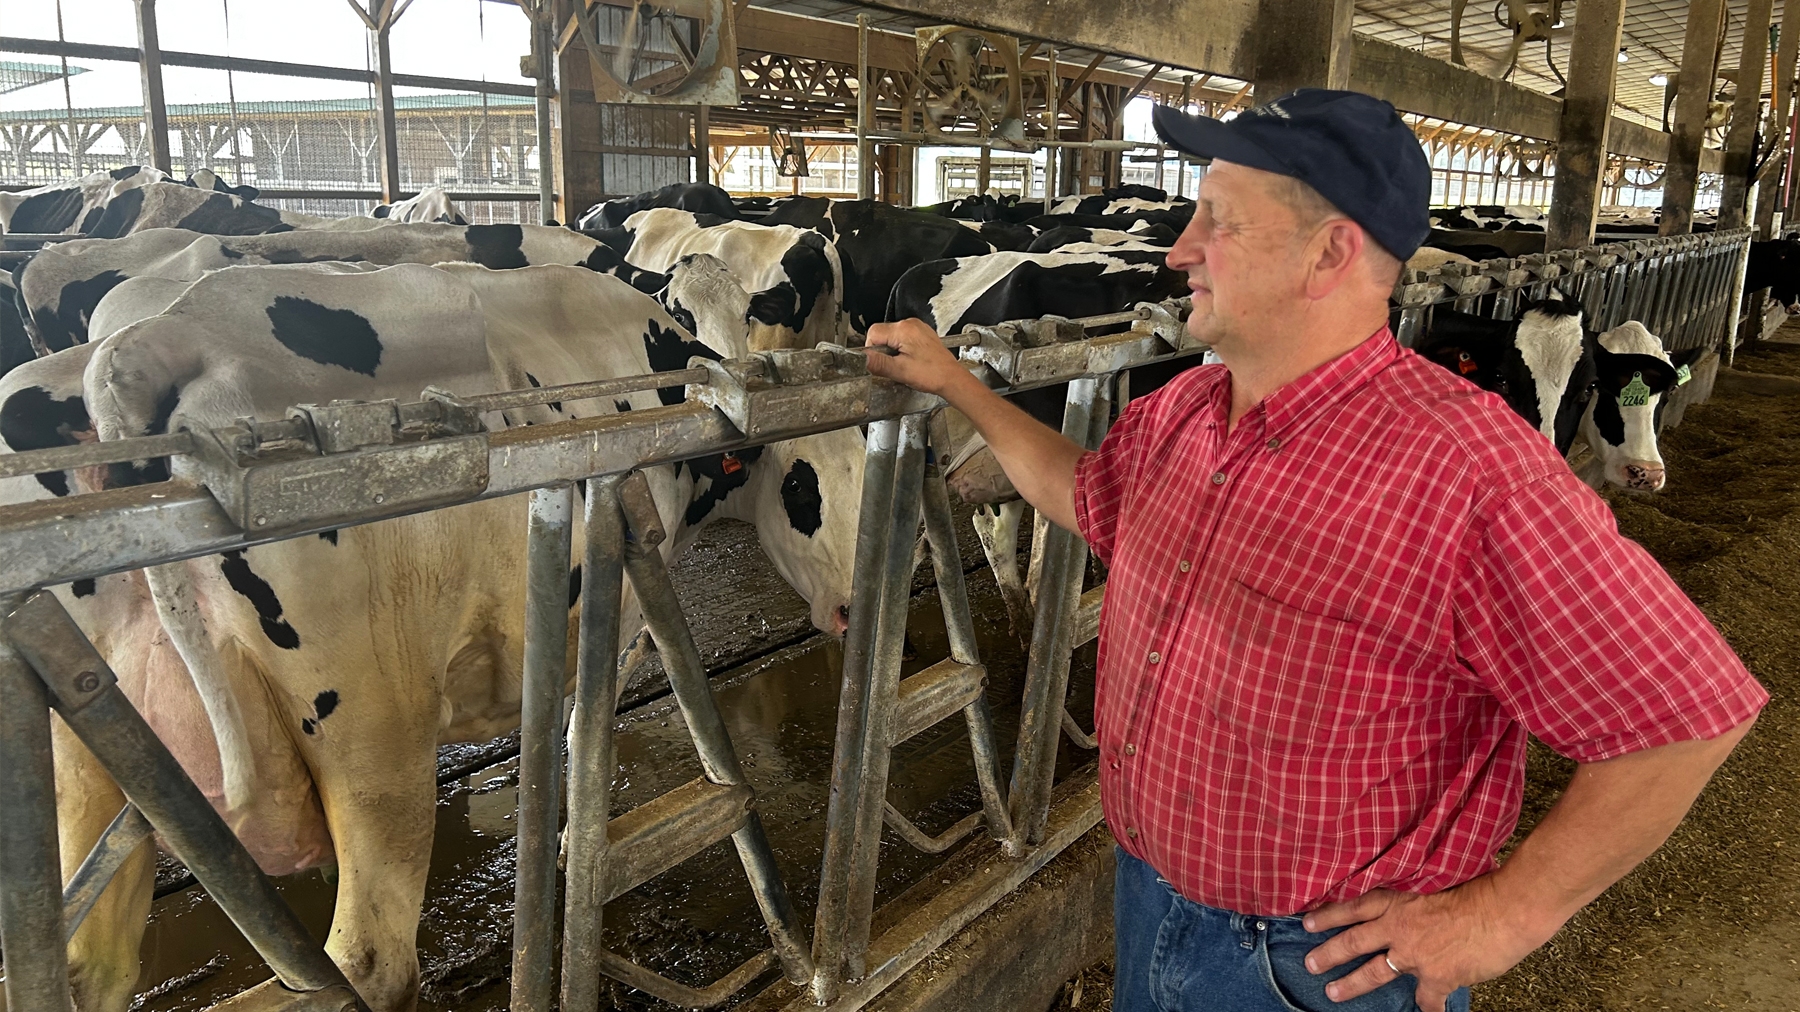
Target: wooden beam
1150,75
1740,140
1301,44
1586,114
156,111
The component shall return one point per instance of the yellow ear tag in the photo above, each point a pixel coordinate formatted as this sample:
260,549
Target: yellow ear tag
1682,375
1636,393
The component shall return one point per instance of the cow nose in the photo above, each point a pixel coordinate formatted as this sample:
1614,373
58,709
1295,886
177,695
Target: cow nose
840,620
1644,476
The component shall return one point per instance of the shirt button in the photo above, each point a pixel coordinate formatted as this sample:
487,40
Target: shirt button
1155,658
1185,565
1218,478
1131,749
1274,444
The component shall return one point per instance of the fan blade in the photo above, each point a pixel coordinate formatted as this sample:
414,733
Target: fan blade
1456,16
625,56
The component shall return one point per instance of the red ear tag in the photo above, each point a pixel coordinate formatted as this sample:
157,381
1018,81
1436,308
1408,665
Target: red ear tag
1465,364
731,464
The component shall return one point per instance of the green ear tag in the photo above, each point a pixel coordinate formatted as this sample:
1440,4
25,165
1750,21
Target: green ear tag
1682,375
1636,394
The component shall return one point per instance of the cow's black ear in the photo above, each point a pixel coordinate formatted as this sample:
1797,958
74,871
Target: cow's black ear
773,306
383,211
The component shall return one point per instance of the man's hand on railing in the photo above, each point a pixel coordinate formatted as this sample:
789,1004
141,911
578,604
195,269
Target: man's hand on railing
912,353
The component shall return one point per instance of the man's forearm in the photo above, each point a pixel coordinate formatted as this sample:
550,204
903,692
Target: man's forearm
1613,815
1038,460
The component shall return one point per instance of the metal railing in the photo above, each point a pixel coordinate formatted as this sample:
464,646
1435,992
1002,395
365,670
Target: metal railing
386,460
1684,289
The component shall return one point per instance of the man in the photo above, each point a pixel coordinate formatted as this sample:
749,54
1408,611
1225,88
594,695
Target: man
1344,584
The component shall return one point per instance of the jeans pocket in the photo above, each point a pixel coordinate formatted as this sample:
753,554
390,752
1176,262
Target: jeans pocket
1298,989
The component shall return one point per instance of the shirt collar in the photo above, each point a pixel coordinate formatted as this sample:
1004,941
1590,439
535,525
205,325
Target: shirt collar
1305,398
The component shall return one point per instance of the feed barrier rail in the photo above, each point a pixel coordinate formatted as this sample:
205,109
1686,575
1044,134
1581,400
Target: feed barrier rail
1683,288
328,466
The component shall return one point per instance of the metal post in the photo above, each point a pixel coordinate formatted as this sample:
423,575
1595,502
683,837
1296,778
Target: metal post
849,754
959,627
543,44
87,697
1053,99
31,908
883,693
984,169
548,537
1746,119
718,758
156,109
1052,640
865,114
591,745
390,129
1586,116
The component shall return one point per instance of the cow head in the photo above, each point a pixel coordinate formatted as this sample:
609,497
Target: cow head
704,297
1558,358
805,497
1632,372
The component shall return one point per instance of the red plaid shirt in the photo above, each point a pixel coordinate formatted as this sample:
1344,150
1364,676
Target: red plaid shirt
1327,632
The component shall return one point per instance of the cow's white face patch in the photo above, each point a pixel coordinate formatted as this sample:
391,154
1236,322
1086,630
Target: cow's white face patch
1551,347
1619,423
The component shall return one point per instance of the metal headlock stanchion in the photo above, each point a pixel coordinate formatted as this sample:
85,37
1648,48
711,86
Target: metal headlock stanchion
85,693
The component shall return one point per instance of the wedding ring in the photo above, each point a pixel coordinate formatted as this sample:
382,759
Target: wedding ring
1391,966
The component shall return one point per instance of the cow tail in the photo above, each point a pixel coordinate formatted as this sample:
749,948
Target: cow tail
179,609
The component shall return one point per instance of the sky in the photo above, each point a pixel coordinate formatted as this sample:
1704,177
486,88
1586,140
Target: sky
470,39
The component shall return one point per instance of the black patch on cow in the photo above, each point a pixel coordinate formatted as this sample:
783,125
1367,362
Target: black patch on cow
340,337
262,597
222,214
684,316
121,213
497,247
82,588
230,254
777,307
324,704
722,479
330,536
669,350
621,406
711,220
125,171
68,325
92,218
32,419
383,211
801,499
15,343
607,260
574,584
50,212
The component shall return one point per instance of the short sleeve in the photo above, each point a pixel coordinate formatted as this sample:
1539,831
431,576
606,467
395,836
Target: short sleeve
1583,638
1104,476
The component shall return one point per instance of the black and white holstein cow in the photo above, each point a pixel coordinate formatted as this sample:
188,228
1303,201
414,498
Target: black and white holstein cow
431,204
1632,376
699,198
793,275
63,284
70,208
215,210
305,684
1540,363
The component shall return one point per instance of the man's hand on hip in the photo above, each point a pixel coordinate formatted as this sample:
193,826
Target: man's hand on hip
1446,940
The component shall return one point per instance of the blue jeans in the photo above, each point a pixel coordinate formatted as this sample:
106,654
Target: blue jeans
1175,955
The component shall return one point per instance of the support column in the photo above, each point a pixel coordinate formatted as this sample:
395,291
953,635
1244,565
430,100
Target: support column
543,54
156,110
1693,89
576,119
1301,44
703,144
1770,197
390,127
1746,109
1586,113
865,114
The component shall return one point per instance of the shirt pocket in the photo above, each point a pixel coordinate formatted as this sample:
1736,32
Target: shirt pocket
1290,677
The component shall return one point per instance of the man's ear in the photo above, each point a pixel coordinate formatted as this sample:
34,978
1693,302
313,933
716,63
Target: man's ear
1336,248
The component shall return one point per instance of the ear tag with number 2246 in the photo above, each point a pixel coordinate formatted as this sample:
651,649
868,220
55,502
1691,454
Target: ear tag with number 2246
1636,393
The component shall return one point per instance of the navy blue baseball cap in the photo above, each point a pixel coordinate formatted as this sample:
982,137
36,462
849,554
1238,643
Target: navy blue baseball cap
1352,148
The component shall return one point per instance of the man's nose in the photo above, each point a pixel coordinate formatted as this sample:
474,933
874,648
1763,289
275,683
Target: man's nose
1187,253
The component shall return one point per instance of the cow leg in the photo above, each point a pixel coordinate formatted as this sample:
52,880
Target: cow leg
998,529
103,956
375,772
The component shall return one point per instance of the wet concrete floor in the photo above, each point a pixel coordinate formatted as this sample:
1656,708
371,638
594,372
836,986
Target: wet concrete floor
777,685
